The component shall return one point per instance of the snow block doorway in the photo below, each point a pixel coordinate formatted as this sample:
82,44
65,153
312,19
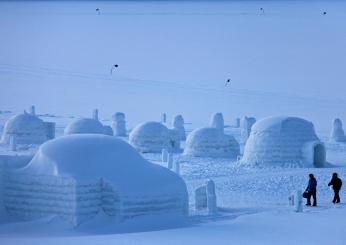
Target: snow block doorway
319,155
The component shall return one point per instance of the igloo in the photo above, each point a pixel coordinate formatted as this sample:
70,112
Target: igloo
27,129
89,174
178,124
337,134
217,122
150,137
211,142
284,141
88,126
119,124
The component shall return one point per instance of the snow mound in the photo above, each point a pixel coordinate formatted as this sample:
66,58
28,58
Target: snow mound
26,128
211,142
337,134
84,126
90,173
150,137
284,141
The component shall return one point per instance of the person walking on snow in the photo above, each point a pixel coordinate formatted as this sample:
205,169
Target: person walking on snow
336,183
311,189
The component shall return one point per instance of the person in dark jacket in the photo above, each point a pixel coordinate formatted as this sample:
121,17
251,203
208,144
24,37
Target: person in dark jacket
311,189
336,183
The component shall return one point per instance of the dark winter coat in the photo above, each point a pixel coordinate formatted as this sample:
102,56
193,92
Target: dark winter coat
312,185
336,183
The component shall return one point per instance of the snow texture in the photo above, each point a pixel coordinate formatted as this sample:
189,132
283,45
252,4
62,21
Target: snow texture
337,134
246,124
211,142
75,177
150,137
26,129
281,141
84,126
217,122
119,124
178,124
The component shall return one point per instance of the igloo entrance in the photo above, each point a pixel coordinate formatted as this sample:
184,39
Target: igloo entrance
319,155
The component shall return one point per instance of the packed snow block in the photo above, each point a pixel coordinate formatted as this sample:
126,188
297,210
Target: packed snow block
26,128
150,137
50,130
84,126
211,142
201,200
179,124
298,201
246,125
163,118
217,122
164,156
77,176
337,134
211,197
119,124
174,140
2,204
31,197
284,141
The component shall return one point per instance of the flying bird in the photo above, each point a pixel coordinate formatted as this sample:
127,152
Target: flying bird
114,67
98,11
228,82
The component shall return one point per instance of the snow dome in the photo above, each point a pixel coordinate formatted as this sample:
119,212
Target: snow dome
337,134
26,128
84,126
150,137
211,142
108,174
284,141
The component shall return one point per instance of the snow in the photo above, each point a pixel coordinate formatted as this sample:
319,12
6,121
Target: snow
211,142
174,57
178,124
26,128
150,137
84,126
76,177
337,134
119,124
281,140
217,122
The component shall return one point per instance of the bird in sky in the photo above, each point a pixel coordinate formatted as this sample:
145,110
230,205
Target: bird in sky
114,67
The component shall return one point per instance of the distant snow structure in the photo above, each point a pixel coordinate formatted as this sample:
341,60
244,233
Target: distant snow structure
337,134
119,124
107,130
179,124
246,124
211,142
86,126
27,129
217,122
110,176
284,141
150,137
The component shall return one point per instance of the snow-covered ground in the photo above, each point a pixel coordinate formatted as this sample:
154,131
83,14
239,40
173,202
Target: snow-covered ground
175,57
